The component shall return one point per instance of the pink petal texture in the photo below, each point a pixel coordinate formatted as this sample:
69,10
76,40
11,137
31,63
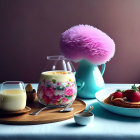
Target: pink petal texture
87,42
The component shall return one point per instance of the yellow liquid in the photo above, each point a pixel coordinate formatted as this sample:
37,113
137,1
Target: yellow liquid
12,99
60,76
12,91
55,72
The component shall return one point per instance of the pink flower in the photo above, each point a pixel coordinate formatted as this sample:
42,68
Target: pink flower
64,100
69,91
49,83
46,99
41,87
55,102
48,91
43,82
73,85
55,99
58,84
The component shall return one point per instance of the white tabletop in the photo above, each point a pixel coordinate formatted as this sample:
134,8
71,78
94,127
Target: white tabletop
106,125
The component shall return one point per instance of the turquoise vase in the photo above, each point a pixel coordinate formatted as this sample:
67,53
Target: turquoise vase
89,79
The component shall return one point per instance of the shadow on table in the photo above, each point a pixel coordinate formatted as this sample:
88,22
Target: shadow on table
103,113
74,125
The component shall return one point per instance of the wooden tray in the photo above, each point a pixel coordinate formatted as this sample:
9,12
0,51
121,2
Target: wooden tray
46,116
25,110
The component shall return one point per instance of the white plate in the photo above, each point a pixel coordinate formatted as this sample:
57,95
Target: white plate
104,93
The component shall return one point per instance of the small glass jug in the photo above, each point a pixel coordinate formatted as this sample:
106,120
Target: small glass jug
57,85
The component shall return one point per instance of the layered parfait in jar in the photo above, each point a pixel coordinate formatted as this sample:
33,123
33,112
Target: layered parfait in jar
57,88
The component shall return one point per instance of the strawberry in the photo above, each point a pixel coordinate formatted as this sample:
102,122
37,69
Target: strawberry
139,88
132,95
127,92
135,97
117,94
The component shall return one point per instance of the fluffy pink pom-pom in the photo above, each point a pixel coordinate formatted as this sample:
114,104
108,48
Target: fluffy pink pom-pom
87,42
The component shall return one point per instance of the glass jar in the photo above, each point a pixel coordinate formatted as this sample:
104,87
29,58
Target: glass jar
57,85
12,96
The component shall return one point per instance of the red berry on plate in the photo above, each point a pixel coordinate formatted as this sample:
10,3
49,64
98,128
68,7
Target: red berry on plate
135,96
126,93
117,94
139,88
132,95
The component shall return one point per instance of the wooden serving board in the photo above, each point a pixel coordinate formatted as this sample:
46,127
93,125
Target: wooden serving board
46,116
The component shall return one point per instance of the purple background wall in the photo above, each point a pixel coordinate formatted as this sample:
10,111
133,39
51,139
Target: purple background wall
30,30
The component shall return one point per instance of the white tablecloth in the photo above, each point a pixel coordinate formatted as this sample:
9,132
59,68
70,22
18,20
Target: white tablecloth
106,125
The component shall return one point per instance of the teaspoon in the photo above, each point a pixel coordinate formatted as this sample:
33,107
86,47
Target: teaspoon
38,111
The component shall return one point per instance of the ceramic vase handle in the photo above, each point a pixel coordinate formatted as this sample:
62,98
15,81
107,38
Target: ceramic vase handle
103,68
80,85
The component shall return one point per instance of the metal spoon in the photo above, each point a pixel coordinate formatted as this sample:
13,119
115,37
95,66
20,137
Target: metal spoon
90,109
38,111
67,108
86,113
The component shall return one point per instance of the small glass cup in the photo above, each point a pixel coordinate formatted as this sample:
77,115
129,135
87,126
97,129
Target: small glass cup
12,96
